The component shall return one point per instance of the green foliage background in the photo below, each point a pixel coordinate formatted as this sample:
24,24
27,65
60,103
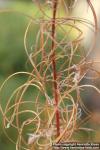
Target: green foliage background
12,53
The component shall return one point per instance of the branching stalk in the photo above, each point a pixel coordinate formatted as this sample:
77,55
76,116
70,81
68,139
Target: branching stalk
56,96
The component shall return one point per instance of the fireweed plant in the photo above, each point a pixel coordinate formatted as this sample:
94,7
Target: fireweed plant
57,66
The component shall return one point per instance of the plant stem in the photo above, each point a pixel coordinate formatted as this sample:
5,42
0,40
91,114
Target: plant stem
55,2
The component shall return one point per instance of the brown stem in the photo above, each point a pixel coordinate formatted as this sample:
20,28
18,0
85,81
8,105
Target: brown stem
94,15
55,2
42,41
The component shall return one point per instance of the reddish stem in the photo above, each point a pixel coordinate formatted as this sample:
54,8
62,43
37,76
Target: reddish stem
55,2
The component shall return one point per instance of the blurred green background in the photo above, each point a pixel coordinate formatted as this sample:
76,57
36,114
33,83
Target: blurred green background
12,53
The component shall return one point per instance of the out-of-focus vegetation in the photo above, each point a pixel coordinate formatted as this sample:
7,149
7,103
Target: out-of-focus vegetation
12,29
12,53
